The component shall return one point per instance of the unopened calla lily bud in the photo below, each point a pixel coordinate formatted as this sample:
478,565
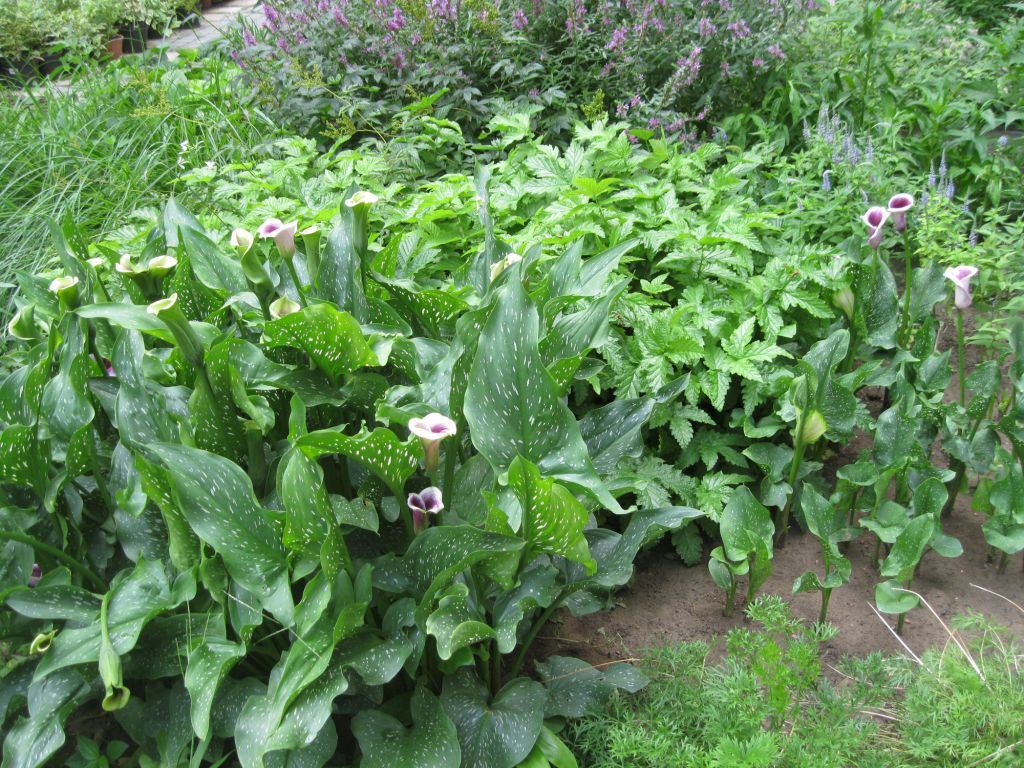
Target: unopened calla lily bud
311,245
875,218
283,306
898,207
97,262
814,426
241,240
431,430
500,266
116,694
845,300
66,289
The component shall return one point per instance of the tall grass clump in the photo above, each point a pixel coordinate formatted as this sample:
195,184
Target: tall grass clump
109,141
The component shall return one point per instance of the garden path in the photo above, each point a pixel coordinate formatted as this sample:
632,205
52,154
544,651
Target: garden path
211,26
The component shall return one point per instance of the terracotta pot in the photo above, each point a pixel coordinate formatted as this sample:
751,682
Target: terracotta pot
115,47
134,38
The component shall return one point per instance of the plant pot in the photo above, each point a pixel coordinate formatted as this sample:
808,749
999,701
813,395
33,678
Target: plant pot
18,71
52,61
134,38
115,47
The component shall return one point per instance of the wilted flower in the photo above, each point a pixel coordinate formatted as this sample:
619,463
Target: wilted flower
898,207
431,430
426,502
875,217
961,279
283,234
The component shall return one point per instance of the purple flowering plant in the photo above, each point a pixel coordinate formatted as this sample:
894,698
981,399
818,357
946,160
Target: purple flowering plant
655,63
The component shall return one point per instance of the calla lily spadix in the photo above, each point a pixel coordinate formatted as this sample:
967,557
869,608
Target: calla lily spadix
431,430
875,217
426,502
283,234
898,207
961,279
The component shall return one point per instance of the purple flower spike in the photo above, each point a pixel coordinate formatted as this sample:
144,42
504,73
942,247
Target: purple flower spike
426,502
961,279
898,207
875,217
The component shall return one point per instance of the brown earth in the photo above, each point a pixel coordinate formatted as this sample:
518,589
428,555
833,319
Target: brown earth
667,602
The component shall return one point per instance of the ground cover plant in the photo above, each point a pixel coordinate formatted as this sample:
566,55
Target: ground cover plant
305,439
773,701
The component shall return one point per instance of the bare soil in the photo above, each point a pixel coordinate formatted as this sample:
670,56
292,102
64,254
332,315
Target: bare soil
667,602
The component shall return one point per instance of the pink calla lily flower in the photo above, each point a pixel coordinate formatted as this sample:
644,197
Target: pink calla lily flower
875,217
431,430
283,234
898,207
961,279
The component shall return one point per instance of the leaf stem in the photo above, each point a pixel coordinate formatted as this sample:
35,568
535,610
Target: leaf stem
65,558
794,468
534,631
908,277
826,595
960,357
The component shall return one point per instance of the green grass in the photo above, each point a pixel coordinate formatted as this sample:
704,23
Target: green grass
766,704
110,143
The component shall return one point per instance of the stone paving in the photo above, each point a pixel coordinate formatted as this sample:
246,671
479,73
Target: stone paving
214,21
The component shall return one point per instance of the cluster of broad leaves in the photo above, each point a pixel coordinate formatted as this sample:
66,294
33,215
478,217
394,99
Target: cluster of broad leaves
216,497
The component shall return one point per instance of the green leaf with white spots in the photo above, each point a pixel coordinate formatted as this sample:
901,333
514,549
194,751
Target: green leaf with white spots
908,548
379,451
576,689
216,498
612,432
137,596
333,340
455,624
553,519
537,588
22,460
891,598
431,742
310,518
513,408
496,732
208,664
211,267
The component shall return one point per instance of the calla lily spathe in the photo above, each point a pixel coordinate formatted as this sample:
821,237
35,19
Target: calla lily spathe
899,205
431,430
241,240
283,234
500,266
961,279
283,306
362,198
426,502
875,217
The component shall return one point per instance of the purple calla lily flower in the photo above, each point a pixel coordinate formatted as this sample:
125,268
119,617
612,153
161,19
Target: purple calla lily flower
898,207
426,502
961,279
283,234
37,574
875,217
